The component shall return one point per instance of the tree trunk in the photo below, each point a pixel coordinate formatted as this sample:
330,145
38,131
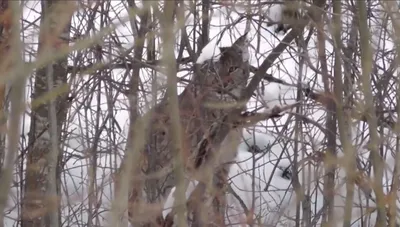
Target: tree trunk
5,33
42,187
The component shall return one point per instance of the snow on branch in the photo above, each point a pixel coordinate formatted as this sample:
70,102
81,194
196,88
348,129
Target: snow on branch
248,119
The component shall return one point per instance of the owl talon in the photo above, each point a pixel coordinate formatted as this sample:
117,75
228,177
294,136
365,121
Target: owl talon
276,111
247,113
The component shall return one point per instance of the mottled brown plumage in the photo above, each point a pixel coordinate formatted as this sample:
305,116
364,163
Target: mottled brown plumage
213,94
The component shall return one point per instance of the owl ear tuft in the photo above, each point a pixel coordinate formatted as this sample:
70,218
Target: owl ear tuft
242,41
243,44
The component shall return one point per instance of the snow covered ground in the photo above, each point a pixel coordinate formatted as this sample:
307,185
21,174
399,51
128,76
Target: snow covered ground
263,184
269,206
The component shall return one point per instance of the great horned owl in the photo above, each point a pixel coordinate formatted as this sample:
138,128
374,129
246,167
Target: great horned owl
222,87
228,76
213,83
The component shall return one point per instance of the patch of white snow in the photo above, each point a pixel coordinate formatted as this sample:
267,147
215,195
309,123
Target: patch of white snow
210,51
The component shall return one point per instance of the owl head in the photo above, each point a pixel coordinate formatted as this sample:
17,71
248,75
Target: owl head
228,75
242,41
239,49
242,46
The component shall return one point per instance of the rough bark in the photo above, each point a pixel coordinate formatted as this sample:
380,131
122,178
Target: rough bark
13,47
5,33
40,204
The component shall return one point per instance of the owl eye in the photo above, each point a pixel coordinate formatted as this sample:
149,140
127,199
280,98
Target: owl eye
255,149
232,69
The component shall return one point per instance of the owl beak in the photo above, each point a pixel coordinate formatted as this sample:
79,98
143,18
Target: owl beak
247,39
246,36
